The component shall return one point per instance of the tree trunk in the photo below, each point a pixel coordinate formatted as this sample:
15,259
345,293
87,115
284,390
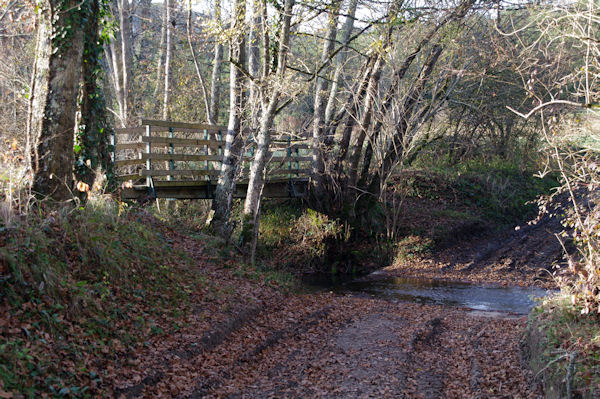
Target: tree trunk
257,175
365,121
458,13
126,60
339,67
270,100
407,110
161,53
54,102
215,82
321,84
166,111
254,63
350,110
92,140
223,199
196,65
114,68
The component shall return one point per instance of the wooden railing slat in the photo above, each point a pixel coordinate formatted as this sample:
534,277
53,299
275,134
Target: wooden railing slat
182,125
180,172
180,157
182,142
130,130
292,158
284,162
128,146
133,176
128,162
288,171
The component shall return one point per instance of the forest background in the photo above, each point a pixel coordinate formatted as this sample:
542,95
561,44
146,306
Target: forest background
483,104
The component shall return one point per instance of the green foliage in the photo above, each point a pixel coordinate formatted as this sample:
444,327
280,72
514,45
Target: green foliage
301,240
499,190
567,331
74,280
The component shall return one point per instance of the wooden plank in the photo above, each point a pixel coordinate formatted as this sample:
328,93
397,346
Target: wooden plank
180,172
129,146
292,147
289,171
182,142
179,157
204,189
130,130
128,162
161,129
135,176
292,158
180,183
183,125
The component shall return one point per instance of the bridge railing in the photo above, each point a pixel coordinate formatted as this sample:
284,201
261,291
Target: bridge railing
164,153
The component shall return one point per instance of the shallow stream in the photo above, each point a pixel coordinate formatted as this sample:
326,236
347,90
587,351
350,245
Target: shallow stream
485,298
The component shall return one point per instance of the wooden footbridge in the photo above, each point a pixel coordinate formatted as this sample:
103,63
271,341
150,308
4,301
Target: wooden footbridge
163,159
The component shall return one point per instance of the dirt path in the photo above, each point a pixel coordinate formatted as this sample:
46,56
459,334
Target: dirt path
323,346
329,346
523,256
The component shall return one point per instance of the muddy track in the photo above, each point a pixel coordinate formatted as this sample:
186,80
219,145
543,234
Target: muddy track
523,256
337,347
389,351
216,335
326,346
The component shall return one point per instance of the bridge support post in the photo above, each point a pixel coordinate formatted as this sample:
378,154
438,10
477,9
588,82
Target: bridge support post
113,143
171,151
148,151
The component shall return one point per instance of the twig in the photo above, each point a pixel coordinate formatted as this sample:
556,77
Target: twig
546,104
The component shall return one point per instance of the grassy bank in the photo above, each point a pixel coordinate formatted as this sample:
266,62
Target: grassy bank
427,207
564,348
84,288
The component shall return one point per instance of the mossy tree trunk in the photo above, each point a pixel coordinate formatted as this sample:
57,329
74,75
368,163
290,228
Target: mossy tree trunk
92,146
57,73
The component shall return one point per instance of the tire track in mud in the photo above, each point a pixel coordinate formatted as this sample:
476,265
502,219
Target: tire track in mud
346,347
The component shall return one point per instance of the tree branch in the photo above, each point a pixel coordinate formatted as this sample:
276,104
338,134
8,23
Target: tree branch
549,103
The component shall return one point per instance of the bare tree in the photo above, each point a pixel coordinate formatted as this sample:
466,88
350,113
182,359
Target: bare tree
271,87
205,98
119,56
215,81
166,111
161,51
321,88
225,189
339,61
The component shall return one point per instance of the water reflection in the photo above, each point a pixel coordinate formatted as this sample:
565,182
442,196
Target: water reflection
487,298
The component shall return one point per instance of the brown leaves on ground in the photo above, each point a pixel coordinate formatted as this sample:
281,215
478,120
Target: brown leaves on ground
240,337
324,346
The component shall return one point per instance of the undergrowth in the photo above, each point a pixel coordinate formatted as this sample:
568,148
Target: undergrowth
81,287
302,240
498,190
570,336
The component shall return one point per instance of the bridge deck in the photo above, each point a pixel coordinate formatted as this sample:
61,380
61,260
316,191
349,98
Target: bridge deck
182,161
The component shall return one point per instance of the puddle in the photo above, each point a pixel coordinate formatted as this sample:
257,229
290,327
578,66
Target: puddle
482,299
